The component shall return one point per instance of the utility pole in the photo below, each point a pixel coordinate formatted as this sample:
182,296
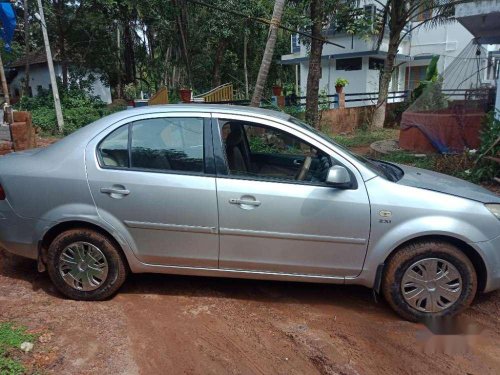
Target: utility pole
119,91
26,49
50,63
5,89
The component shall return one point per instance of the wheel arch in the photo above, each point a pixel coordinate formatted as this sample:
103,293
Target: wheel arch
471,253
61,227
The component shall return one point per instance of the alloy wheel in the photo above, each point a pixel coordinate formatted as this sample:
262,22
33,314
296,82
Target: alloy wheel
83,266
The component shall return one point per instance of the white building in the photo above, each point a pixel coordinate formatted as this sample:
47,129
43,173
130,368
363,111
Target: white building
40,79
360,60
482,19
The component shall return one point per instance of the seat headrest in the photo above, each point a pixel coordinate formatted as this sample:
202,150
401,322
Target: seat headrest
235,137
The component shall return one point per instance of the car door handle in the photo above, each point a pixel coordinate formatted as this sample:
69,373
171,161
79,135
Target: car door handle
244,202
297,162
115,191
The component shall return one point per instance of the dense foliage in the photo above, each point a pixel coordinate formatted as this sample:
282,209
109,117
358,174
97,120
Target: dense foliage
177,43
486,168
79,109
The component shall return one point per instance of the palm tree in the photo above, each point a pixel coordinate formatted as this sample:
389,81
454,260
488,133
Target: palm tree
268,53
397,14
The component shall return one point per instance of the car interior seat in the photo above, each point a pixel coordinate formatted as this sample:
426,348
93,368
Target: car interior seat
238,156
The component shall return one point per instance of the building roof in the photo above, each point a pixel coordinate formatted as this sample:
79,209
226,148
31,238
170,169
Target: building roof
35,57
380,54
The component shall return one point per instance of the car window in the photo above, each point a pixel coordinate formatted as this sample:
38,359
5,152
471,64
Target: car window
113,149
368,163
261,151
168,144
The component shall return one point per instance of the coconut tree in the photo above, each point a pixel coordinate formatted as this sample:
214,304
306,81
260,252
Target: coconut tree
268,53
396,16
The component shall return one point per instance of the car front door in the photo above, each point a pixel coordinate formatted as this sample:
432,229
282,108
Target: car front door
150,176
273,217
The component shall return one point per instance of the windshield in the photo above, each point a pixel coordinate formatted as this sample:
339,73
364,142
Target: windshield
372,165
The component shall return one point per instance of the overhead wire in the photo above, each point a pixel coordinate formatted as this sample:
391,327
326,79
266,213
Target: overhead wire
264,21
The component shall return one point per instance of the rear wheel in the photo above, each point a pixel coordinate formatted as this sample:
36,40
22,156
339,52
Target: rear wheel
429,279
85,265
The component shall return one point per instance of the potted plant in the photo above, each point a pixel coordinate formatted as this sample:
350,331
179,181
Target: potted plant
277,89
340,83
129,93
185,95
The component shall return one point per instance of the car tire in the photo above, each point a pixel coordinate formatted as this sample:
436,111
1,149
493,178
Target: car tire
429,279
99,266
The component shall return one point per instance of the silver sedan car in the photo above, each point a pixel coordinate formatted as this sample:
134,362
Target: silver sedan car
240,192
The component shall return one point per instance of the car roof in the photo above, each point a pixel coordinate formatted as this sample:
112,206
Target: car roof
202,107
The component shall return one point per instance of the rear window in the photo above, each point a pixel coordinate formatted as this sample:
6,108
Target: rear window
162,144
168,144
113,149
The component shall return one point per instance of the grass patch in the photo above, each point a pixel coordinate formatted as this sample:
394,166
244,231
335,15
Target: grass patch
454,165
11,338
365,137
401,157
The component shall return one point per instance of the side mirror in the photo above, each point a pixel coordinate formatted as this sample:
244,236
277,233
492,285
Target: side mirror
338,176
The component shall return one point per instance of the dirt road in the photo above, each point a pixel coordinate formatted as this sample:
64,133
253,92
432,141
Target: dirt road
186,325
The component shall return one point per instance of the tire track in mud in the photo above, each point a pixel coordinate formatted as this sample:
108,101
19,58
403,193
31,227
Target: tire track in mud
169,324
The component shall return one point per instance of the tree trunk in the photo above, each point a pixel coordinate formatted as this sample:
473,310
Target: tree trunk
385,79
128,54
219,55
268,53
119,88
5,88
182,26
245,67
61,41
26,50
314,74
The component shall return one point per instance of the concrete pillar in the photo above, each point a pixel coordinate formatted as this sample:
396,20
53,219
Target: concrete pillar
280,101
341,100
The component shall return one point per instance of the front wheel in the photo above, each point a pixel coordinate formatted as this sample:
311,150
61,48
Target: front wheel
85,265
429,279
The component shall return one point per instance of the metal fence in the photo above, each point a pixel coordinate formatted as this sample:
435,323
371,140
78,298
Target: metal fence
367,98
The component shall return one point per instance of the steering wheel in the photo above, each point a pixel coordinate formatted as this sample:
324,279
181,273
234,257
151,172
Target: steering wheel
305,168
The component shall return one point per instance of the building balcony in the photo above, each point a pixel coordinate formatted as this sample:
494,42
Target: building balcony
482,19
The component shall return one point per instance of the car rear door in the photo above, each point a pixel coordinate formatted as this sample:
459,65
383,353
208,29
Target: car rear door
282,225
152,178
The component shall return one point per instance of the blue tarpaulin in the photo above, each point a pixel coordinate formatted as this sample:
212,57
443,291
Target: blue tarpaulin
8,18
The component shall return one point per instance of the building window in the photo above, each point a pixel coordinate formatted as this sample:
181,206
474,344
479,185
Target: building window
414,75
295,43
349,64
375,64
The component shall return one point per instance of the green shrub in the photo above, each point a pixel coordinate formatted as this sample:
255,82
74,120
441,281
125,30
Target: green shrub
485,169
295,111
342,82
79,109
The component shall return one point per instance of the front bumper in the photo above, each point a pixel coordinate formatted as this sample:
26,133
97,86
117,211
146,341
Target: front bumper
490,251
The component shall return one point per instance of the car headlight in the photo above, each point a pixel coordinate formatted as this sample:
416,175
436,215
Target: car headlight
494,209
